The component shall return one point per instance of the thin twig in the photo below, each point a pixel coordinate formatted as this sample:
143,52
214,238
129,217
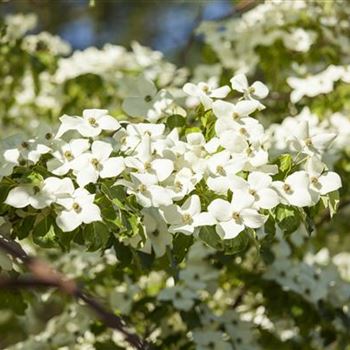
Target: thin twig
43,275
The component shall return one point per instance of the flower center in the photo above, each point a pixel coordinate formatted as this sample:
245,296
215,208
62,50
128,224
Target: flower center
93,122
235,115
308,142
96,164
155,233
205,88
178,186
187,219
243,131
36,189
287,188
314,180
252,192
142,188
148,166
76,207
220,170
48,136
236,216
68,155
148,98
25,145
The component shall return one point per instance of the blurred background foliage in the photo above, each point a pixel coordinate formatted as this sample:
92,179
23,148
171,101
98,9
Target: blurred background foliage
166,26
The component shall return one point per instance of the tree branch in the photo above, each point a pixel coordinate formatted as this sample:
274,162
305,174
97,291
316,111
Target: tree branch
46,276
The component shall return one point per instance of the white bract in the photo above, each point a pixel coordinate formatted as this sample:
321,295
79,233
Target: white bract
146,102
78,208
40,194
187,218
232,218
89,166
206,92
91,124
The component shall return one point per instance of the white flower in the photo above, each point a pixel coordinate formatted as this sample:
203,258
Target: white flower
158,236
147,190
182,183
232,218
40,195
205,92
322,181
303,141
182,298
257,90
144,161
223,109
222,168
258,185
93,122
88,167
296,190
65,155
78,208
146,102
187,218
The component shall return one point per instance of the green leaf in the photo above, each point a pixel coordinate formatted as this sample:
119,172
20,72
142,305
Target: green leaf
181,244
239,243
44,233
96,236
116,194
288,218
175,121
284,163
209,236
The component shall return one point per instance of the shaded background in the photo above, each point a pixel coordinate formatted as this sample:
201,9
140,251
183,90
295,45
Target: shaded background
162,25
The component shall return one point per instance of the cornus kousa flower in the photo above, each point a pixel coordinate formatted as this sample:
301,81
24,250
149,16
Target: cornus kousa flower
144,162
182,183
258,185
78,208
91,124
304,142
89,166
223,109
232,218
205,92
257,90
147,190
322,181
222,168
41,194
187,218
296,190
65,155
146,102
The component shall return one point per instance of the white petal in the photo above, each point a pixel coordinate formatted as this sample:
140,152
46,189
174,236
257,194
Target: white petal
204,219
268,198
322,141
229,229
220,209
220,184
191,89
192,205
68,123
112,167
19,197
239,82
260,89
220,92
172,214
90,214
241,200
67,220
329,182
160,196
251,218
258,180
223,109
163,168
101,150
244,108
108,123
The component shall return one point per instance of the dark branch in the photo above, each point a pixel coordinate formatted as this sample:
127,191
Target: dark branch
43,275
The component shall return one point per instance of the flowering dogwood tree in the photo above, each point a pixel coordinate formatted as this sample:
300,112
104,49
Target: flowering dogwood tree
182,208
